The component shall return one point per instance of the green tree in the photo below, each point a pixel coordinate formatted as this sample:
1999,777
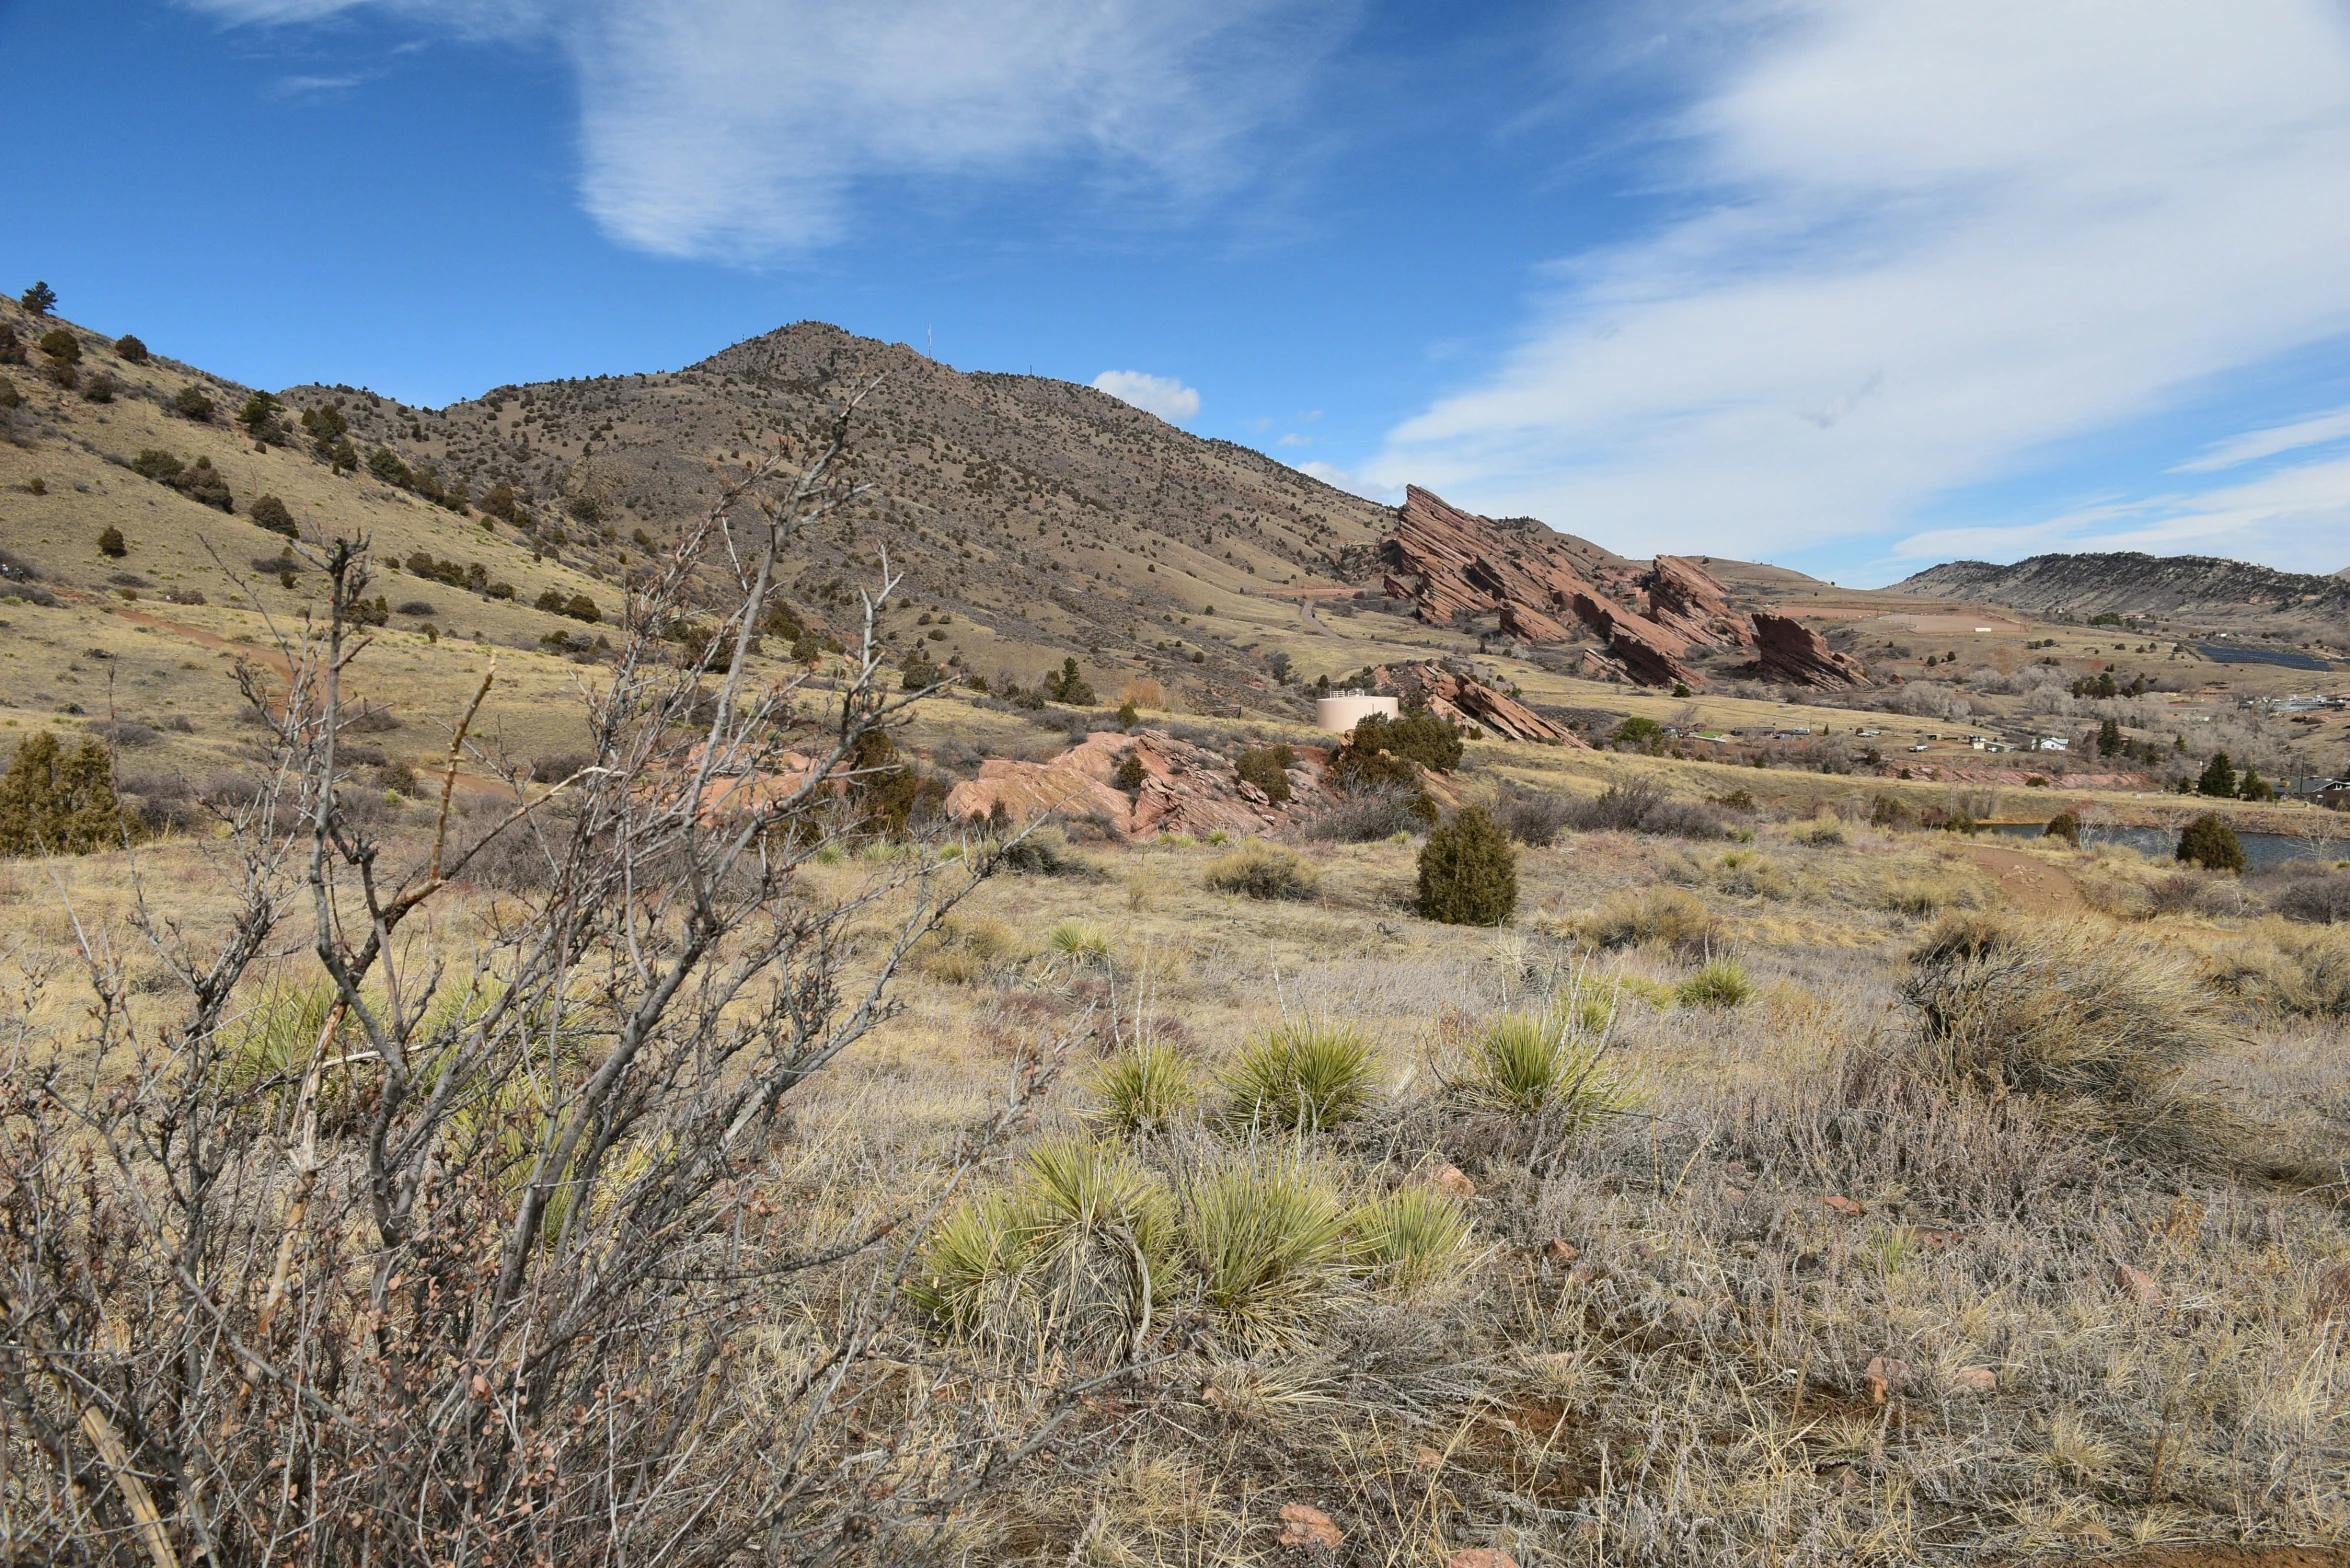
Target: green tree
61,346
499,502
191,403
2219,778
1468,872
38,300
130,349
385,464
1388,753
110,544
583,608
1131,773
2065,825
1267,767
2109,739
2212,844
267,511
1128,715
59,804
344,457
2254,787
1070,687
156,464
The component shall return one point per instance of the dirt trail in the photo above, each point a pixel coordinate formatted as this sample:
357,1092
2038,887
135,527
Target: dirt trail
2033,886
2221,1555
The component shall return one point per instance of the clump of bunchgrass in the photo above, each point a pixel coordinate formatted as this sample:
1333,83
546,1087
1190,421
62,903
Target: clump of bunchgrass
1077,1250
1411,1238
1722,982
1143,1089
1302,1077
2096,1021
1268,1241
1265,871
1665,917
1549,1064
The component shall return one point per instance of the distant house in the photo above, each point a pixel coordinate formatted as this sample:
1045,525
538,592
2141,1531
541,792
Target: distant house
2052,743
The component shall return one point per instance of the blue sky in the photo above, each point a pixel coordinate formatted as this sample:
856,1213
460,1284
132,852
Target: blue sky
1845,285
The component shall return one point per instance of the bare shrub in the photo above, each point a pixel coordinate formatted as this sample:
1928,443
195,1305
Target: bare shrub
2097,1022
1637,806
1370,814
1535,820
534,1291
2318,900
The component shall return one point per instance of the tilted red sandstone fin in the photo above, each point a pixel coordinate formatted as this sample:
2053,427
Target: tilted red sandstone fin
1449,562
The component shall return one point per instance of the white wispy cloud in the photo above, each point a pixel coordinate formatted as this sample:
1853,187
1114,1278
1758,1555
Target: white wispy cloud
1164,396
2317,430
742,128
2296,518
1917,245
1354,484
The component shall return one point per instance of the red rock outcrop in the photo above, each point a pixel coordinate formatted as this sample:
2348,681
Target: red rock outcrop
1185,788
1684,598
1447,560
1467,705
1651,653
1791,651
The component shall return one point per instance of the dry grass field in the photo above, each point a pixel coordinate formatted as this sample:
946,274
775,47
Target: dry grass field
1777,1279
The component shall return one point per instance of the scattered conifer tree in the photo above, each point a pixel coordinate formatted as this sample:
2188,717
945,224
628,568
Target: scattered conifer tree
2218,779
1468,872
38,300
55,803
130,349
191,403
110,544
2212,844
267,511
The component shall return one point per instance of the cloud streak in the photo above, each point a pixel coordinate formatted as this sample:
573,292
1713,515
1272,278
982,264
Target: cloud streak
741,129
1164,396
1917,246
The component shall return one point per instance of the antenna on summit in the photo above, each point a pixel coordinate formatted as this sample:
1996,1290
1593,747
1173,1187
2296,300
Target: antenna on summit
929,342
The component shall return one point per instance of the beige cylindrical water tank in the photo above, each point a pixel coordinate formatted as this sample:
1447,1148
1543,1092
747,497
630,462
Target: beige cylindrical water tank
1340,714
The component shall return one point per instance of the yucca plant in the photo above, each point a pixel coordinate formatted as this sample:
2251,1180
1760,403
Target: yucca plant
1268,1241
1411,1237
1081,942
1145,1088
1721,983
1550,1063
1303,1077
1079,1246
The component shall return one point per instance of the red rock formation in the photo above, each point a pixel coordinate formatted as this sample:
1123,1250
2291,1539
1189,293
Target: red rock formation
1651,653
1448,560
1685,599
1791,651
1185,788
1467,705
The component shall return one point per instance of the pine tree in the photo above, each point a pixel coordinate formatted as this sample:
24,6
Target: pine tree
2109,738
2219,778
38,300
1468,872
110,544
2212,844
58,804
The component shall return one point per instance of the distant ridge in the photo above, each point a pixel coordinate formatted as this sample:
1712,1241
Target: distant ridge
2129,580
